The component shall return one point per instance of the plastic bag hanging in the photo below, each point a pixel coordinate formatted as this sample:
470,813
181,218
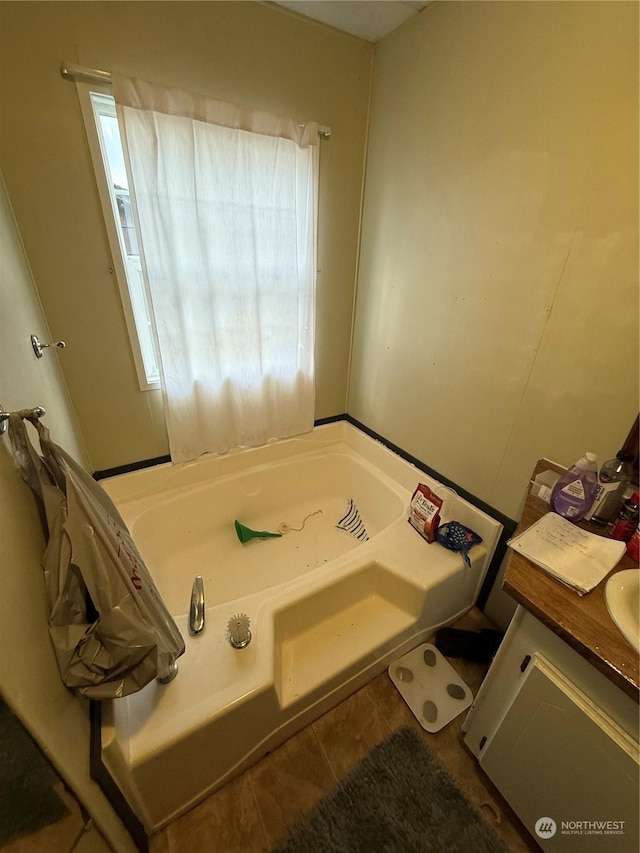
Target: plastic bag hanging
110,629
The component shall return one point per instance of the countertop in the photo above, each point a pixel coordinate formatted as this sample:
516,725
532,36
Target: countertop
582,621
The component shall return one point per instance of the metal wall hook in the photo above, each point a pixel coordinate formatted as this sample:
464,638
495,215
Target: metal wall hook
38,412
38,347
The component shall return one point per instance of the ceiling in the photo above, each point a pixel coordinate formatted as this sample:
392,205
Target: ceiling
367,19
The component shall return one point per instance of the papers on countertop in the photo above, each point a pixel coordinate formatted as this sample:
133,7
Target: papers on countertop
574,556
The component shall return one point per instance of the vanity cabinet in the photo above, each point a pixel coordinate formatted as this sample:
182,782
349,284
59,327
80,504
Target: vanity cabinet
555,724
556,745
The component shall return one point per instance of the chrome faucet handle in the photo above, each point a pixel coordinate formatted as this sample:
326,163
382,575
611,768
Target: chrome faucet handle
196,608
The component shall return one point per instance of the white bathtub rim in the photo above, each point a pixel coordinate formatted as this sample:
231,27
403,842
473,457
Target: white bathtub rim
133,485
169,476
397,474
175,475
134,508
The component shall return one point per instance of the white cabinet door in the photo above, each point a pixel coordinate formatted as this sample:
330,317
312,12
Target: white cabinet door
556,755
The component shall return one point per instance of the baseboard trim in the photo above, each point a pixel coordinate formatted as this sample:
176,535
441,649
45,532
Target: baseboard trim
132,466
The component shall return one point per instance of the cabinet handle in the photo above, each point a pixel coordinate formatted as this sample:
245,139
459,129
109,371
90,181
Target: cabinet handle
526,660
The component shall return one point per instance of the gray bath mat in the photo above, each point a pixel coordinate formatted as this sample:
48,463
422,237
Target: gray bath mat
29,801
399,799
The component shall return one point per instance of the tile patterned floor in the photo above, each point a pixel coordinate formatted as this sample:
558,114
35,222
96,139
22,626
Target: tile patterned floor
251,813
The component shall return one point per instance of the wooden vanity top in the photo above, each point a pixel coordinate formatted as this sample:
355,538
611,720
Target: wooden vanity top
582,621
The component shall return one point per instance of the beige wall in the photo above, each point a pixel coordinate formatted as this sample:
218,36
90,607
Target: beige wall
29,680
251,53
497,298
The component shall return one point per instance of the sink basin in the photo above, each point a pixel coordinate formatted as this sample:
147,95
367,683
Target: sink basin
622,597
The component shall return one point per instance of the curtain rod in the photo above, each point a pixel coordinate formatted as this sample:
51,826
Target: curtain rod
94,75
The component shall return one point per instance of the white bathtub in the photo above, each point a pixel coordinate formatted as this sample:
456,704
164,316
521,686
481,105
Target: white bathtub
328,611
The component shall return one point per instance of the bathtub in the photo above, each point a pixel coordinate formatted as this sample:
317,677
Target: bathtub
328,610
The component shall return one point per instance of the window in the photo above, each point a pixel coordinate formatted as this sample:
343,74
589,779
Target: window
103,134
228,215
225,204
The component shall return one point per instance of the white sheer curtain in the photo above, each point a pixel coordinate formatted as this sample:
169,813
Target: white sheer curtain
226,202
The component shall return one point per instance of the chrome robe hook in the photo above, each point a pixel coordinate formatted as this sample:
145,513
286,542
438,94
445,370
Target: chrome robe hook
39,347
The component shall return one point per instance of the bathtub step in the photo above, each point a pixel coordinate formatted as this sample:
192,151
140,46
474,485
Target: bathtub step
338,628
